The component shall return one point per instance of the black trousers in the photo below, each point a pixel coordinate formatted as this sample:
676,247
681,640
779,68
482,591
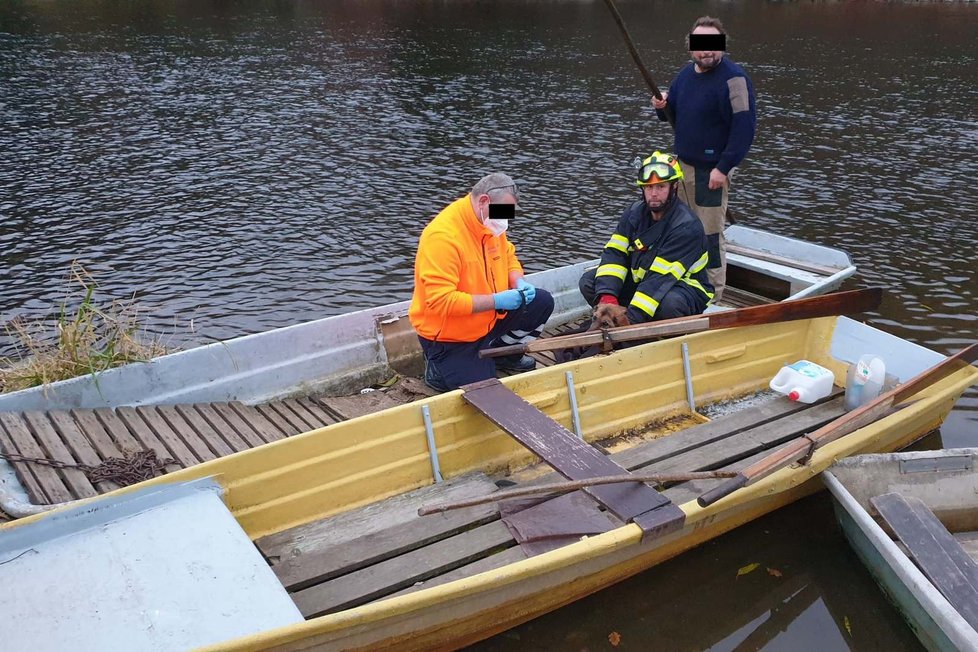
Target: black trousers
458,363
680,301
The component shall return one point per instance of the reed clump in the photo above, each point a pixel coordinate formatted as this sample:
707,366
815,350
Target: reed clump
82,337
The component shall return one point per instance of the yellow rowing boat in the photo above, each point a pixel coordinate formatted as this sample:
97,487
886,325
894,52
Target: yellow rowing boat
344,561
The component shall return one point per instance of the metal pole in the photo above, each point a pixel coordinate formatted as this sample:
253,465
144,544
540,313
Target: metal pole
689,378
432,449
575,416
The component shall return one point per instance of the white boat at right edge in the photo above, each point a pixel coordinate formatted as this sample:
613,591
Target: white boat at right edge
912,519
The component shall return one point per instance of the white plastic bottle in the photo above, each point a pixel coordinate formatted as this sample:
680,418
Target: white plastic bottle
864,380
804,381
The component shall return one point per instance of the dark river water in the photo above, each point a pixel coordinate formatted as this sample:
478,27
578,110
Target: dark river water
240,166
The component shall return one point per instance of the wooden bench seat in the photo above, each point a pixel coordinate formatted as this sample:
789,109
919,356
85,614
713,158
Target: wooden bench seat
938,554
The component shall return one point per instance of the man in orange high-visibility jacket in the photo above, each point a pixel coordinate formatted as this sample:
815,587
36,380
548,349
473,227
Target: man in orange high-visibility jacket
469,291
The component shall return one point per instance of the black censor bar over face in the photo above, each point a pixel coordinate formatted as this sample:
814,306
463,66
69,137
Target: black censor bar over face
707,42
502,211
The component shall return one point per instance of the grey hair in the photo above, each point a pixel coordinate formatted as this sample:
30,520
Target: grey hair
496,184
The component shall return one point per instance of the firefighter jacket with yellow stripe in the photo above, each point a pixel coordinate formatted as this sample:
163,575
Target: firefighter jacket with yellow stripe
458,257
657,255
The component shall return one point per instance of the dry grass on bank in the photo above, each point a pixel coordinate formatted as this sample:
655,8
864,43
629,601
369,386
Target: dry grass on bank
83,338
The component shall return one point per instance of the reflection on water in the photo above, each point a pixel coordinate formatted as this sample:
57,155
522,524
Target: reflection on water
251,165
800,587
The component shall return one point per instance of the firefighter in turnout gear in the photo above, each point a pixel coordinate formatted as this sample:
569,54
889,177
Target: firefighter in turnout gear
654,265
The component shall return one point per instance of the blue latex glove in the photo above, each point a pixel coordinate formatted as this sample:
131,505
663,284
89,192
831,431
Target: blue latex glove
508,300
529,291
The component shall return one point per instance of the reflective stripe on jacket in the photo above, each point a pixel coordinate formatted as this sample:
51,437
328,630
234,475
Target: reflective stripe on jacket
457,258
657,255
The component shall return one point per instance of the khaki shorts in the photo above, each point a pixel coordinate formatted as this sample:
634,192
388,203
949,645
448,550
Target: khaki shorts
711,207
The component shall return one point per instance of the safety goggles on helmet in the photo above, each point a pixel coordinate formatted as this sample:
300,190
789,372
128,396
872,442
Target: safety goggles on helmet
658,168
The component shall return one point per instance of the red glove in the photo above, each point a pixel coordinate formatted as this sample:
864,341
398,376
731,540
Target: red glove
607,316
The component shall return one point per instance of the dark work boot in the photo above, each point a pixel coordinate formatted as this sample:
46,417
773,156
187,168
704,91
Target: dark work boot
516,363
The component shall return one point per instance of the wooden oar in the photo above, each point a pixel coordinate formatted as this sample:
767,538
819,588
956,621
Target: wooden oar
573,485
837,303
804,447
635,56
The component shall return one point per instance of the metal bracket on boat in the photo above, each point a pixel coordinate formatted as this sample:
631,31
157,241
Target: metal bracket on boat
575,416
432,448
607,344
690,397
811,449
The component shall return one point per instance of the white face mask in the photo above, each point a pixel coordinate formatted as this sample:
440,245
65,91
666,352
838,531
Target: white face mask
498,227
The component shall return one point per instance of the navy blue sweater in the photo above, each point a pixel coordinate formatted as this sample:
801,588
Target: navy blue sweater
715,115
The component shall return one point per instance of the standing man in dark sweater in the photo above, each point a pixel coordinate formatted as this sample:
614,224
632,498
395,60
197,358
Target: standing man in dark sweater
711,102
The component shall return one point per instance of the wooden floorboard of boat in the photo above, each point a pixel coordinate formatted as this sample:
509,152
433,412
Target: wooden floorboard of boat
297,572
187,434
737,298
380,580
730,442
314,537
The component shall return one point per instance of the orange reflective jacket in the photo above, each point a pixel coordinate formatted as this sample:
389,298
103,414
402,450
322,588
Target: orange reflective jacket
457,258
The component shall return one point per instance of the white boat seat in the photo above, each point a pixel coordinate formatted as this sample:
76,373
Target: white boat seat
165,568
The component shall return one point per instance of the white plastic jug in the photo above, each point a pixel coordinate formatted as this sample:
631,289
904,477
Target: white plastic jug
864,380
804,381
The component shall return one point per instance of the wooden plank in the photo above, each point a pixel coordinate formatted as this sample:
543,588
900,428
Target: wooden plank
321,414
720,451
25,471
324,403
543,358
287,415
268,431
54,489
177,447
561,449
79,445
95,432
705,434
214,440
186,433
742,298
382,515
382,579
300,571
276,419
240,426
217,424
940,557
314,422
142,431
118,430
350,407
492,562
686,491
75,479
751,441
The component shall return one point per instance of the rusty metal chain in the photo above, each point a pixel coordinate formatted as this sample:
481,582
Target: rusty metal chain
124,471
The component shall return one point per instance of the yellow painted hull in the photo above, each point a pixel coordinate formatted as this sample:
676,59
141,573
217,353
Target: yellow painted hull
357,462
